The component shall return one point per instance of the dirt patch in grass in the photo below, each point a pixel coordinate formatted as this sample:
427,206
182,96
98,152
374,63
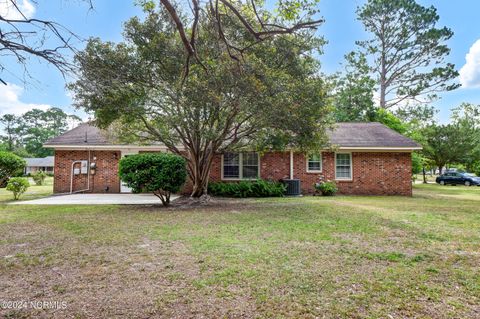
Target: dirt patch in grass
139,280
341,257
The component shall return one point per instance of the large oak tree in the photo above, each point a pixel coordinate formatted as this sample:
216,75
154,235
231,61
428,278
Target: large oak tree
269,94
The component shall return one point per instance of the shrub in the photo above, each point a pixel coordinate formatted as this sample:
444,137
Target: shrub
10,165
39,178
160,173
327,188
17,185
257,188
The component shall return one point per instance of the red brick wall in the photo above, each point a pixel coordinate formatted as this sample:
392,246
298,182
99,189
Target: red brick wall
380,174
374,173
106,173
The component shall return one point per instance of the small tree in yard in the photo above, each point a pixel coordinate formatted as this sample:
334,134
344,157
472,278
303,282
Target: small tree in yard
39,178
160,173
456,142
10,164
17,185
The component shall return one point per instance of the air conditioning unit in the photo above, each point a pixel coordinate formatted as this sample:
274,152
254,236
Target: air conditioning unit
293,187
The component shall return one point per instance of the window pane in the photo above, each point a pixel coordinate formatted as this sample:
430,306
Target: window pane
231,159
231,167
343,159
250,165
343,172
231,171
315,162
250,159
250,171
313,166
247,161
343,166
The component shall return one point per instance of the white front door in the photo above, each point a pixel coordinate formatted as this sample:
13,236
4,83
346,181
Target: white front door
124,188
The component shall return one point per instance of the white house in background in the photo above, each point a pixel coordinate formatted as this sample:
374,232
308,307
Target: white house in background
39,164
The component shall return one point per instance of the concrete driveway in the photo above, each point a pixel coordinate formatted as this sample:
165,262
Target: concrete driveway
96,199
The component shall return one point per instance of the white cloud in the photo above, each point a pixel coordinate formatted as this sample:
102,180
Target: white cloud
8,10
10,101
470,72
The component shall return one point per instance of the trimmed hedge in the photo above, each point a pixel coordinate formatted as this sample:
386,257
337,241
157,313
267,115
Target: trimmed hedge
160,173
257,188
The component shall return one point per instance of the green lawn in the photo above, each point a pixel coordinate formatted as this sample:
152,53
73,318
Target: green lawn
310,257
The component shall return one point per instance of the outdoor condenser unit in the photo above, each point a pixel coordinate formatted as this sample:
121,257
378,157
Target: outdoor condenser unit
293,187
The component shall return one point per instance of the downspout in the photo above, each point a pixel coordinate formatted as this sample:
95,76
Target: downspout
291,164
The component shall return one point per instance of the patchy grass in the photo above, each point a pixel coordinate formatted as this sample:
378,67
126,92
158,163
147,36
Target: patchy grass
32,192
448,191
337,257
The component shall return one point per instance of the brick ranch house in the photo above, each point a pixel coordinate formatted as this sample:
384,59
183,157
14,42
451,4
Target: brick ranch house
365,159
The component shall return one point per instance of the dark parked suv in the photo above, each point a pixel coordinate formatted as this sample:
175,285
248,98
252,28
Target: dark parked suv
455,178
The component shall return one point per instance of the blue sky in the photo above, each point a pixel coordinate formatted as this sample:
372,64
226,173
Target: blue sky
341,29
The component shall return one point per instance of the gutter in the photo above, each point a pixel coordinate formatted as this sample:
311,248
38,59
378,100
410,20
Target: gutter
114,147
105,147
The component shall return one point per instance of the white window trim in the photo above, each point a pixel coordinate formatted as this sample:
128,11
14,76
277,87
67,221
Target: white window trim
351,167
240,169
315,170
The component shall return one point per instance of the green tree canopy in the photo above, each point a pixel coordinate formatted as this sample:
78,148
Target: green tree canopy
444,144
10,137
270,96
467,119
25,134
10,165
353,91
406,51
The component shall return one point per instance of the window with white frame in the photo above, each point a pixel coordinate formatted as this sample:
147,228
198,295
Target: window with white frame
240,166
343,166
314,163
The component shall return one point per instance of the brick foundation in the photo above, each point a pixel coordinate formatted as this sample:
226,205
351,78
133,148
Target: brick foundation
374,173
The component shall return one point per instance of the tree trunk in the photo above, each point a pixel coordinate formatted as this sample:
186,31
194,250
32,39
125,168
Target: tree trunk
383,71
164,196
440,167
383,88
424,176
200,187
199,171
10,144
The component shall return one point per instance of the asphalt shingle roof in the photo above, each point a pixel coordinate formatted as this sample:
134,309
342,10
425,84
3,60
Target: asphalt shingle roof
40,162
371,134
84,134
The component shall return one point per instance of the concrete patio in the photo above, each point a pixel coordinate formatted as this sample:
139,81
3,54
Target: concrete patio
96,199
